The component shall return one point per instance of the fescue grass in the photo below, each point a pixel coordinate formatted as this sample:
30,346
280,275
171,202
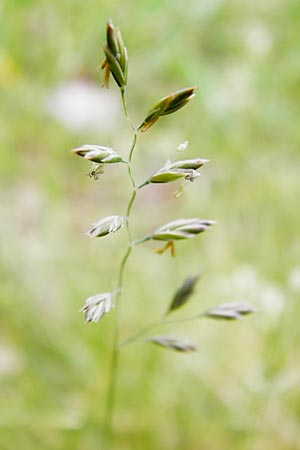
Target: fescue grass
240,391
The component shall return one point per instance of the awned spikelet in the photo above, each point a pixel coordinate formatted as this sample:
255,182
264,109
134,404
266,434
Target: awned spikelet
96,306
116,59
180,169
167,105
183,293
178,345
98,154
230,311
181,229
106,226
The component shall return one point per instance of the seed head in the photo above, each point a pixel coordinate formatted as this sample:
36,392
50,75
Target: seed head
179,169
116,58
96,306
182,229
230,311
183,293
167,105
179,345
98,154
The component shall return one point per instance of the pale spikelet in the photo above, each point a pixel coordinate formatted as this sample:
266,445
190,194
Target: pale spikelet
179,345
98,154
179,169
96,306
106,226
182,229
230,311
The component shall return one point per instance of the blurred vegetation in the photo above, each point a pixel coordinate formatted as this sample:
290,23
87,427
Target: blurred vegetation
241,390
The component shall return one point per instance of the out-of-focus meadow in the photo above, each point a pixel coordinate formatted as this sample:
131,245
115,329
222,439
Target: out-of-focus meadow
240,391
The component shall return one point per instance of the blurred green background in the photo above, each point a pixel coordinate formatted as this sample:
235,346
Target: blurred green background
241,390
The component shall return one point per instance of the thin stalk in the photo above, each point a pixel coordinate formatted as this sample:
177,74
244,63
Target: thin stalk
125,110
130,159
152,326
110,403
113,374
144,184
139,334
141,241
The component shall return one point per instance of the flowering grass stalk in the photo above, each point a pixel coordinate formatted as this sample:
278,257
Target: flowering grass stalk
110,405
96,306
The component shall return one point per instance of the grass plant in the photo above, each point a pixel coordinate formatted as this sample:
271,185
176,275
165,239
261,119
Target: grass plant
96,306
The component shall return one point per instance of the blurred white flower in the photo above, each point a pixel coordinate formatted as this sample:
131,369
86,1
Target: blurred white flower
272,300
233,92
294,279
246,283
81,105
258,39
245,279
11,361
243,282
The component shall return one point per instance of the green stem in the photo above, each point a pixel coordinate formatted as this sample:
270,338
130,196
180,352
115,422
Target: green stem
113,374
141,241
144,184
139,334
151,327
130,159
125,110
115,355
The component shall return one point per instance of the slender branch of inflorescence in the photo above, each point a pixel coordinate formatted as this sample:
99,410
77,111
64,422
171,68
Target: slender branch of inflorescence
145,183
116,344
141,333
141,241
125,110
